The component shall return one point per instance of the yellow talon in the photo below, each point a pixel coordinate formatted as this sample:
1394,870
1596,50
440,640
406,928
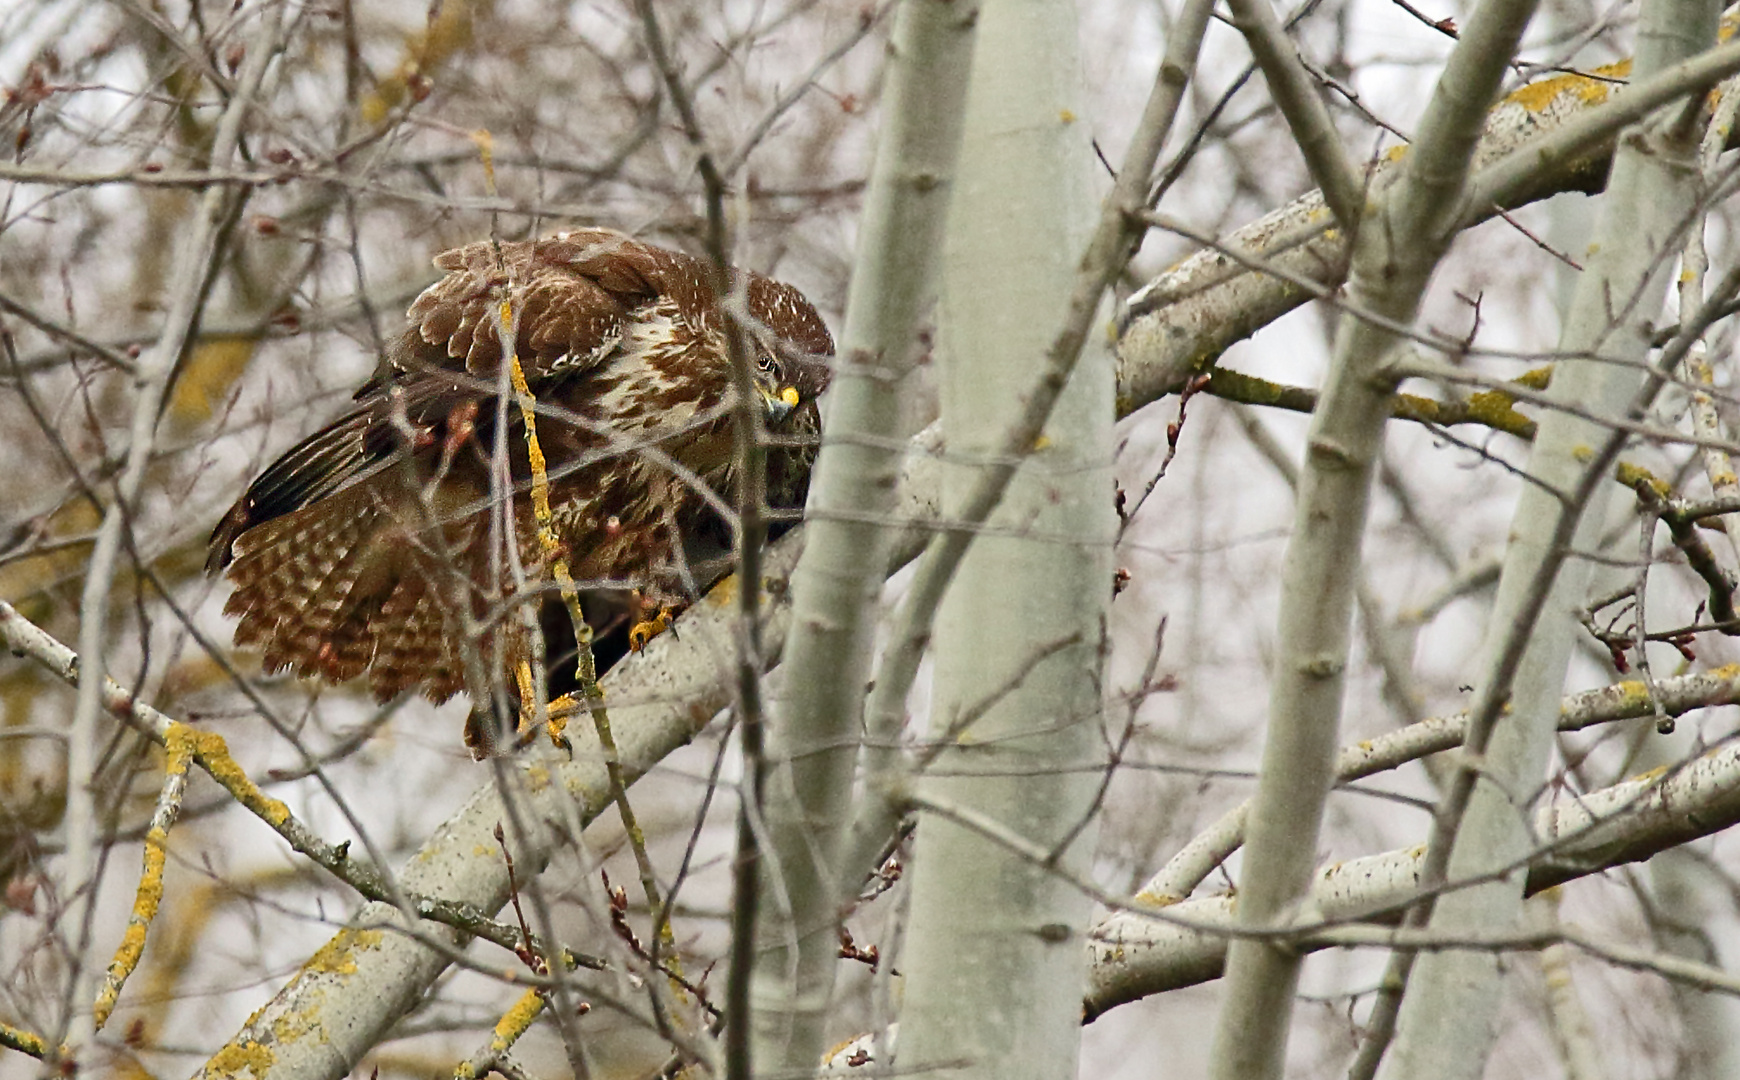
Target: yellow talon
523,677
557,730
556,712
642,632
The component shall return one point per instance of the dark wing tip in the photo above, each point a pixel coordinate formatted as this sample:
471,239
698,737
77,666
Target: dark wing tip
303,474
219,549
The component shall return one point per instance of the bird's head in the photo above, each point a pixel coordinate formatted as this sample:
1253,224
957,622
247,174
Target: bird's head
786,380
792,348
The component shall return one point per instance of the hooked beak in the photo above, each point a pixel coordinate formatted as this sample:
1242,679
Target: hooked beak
779,406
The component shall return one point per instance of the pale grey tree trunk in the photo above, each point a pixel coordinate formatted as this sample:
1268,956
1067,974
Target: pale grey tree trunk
814,738
1400,239
1445,1027
994,959
1573,1032
1688,892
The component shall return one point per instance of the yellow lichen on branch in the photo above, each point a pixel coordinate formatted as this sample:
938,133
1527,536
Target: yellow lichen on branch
1632,475
544,520
1489,408
513,1024
449,30
1581,89
246,1057
338,956
180,747
213,755
588,691
1496,409
25,1042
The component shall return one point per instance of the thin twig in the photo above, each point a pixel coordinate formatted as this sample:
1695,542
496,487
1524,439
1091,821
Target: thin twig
750,464
152,377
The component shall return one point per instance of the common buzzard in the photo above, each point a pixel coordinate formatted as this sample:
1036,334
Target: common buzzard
367,547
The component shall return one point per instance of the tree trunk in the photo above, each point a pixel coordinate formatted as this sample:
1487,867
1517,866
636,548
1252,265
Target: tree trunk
1445,1027
993,961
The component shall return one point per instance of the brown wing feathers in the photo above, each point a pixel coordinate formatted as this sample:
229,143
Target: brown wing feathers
339,587
355,446
576,293
328,550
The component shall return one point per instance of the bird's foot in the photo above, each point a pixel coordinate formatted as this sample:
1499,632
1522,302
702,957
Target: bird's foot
556,713
647,629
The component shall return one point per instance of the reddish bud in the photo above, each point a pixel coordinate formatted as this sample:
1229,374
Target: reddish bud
20,893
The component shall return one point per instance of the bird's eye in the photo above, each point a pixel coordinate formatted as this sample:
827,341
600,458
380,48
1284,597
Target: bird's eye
767,365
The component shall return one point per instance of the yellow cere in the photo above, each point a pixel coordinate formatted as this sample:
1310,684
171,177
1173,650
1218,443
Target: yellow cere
790,396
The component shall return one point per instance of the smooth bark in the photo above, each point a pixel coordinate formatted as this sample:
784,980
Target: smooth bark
814,736
1446,1024
993,960
1399,244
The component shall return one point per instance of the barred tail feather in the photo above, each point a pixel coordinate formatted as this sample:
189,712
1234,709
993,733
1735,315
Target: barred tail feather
413,645
308,586
342,588
307,472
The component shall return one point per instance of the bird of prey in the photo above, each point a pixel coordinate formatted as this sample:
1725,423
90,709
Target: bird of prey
377,545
